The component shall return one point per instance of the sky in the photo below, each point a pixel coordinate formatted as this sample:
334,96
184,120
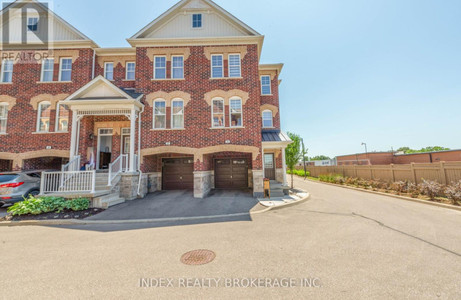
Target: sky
383,72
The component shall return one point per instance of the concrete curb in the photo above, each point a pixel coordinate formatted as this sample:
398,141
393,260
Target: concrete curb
308,196
442,205
142,221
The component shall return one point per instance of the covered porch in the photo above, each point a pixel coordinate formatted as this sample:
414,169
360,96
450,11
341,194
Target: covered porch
105,139
274,143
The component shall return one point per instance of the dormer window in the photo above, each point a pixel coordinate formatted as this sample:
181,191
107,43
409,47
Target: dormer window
32,24
197,21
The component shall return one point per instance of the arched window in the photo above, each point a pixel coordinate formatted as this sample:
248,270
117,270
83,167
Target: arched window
43,119
177,114
268,119
3,117
159,114
62,118
217,111
235,111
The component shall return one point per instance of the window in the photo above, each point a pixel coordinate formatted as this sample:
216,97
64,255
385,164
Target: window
177,114
3,117
235,111
266,85
160,67
109,71
130,70
234,65
197,21
43,121
177,67
7,70
218,113
217,70
267,119
47,69
32,24
62,118
159,114
65,73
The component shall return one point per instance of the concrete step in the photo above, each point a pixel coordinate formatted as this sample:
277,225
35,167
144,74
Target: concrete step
107,201
275,194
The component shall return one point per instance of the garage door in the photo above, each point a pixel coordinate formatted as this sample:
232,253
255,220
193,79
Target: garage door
231,173
177,174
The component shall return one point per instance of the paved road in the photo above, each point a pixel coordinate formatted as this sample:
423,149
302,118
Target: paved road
357,244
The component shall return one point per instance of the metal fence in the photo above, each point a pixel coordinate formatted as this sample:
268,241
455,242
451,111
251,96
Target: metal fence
443,172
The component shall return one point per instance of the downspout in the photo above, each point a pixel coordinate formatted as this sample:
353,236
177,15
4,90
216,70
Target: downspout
94,64
139,151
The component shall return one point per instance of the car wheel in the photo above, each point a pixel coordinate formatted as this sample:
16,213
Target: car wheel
33,193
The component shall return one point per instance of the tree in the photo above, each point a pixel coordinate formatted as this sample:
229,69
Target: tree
408,150
293,153
320,157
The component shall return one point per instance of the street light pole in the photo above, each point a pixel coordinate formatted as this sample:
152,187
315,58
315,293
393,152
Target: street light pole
366,150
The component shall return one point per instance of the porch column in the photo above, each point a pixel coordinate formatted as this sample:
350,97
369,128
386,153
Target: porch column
284,168
132,139
73,139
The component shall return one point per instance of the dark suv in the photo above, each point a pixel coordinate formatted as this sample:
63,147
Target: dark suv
16,186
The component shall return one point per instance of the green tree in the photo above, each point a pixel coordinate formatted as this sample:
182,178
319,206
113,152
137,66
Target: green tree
320,157
293,153
408,150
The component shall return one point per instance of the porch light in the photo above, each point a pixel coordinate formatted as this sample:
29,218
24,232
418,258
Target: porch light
228,142
168,143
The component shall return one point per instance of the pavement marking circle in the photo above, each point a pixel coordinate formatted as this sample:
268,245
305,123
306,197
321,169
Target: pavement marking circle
198,257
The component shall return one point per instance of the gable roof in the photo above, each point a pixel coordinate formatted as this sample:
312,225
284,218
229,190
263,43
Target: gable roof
79,36
194,5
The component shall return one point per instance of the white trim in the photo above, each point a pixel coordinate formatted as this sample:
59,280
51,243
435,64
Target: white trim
222,67
223,113
270,85
6,106
230,112
134,71
60,68
39,116
153,113
94,81
183,113
166,64
43,70
98,147
272,118
122,141
172,68
201,20
3,71
105,70
229,65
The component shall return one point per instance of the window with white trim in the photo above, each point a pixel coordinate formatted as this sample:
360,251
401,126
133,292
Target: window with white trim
268,121
266,85
130,70
177,114
217,66
235,111
7,70
197,21
62,118
65,69
3,117
47,69
177,67
218,113
234,65
43,119
109,70
32,24
159,114
160,67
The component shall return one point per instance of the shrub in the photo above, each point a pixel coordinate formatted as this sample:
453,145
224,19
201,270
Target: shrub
432,189
399,186
41,205
331,178
453,192
300,173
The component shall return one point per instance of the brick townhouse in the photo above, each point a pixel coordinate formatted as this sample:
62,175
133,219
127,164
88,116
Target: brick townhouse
186,106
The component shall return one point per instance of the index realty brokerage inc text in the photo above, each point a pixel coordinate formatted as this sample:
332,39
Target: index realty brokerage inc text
229,282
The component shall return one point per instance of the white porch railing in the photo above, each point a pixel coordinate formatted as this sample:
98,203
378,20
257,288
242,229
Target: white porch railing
68,182
117,167
72,165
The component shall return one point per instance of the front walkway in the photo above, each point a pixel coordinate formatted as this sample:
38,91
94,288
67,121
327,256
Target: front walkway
181,204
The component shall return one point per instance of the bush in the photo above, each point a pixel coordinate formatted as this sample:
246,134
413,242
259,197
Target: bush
42,205
332,178
453,192
432,189
300,173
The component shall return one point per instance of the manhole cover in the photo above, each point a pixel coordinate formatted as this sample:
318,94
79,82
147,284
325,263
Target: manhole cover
198,257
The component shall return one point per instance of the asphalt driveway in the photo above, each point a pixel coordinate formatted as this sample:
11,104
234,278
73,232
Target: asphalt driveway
181,204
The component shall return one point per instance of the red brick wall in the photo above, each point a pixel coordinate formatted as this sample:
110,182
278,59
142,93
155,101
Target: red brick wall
273,100
43,163
362,159
426,157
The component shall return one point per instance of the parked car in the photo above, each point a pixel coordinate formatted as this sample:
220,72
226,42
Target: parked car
15,186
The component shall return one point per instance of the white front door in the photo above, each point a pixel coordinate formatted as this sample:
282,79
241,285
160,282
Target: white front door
104,153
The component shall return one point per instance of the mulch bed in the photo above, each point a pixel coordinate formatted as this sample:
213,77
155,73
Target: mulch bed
65,215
